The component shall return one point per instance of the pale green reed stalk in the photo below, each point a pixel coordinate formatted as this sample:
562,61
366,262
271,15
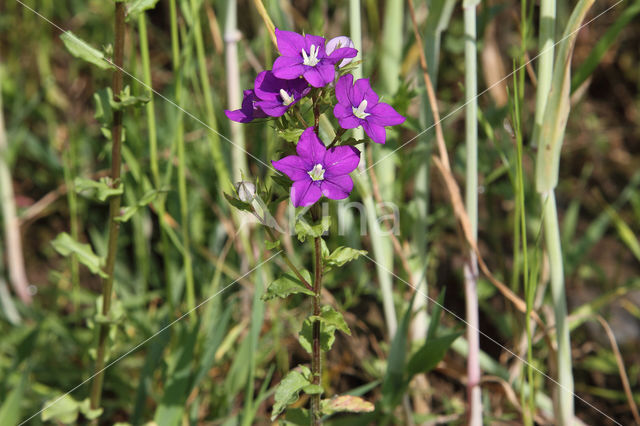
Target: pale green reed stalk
234,93
471,200
548,134
182,173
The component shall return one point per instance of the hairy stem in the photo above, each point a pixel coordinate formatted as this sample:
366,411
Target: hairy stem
316,360
114,205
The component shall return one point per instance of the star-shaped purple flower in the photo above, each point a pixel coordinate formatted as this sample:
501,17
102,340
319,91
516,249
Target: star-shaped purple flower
358,106
275,95
306,56
249,110
318,171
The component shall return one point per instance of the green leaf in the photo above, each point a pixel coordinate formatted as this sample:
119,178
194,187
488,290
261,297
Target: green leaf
63,409
290,135
330,321
97,190
147,198
393,386
85,408
288,391
172,405
430,354
83,50
126,100
65,245
550,135
287,285
346,403
10,409
296,416
435,315
240,205
342,255
271,245
304,229
135,7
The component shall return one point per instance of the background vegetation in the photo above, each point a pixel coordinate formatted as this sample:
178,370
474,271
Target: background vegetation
183,246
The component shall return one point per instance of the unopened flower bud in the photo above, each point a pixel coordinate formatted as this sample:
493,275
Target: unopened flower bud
246,191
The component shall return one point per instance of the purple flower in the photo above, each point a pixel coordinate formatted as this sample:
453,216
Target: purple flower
336,43
249,109
306,57
275,95
316,171
358,106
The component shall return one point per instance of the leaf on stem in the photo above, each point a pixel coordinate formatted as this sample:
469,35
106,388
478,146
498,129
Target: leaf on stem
342,255
287,285
330,321
97,190
288,391
83,50
66,245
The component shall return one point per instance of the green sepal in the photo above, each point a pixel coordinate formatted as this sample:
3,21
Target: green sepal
238,204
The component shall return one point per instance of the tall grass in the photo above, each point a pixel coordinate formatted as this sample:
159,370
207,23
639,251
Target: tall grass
471,203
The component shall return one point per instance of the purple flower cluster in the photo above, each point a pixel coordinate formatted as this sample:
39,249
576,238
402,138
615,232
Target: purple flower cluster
308,62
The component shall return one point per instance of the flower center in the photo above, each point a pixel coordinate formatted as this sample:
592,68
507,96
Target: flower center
317,173
286,99
359,112
311,59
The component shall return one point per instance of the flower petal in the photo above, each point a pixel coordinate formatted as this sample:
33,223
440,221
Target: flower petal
238,115
310,148
288,68
384,115
343,53
267,85
343,86
273,108
293,166
314,40
305,192
340,160
290,43
375,132
337,188
360,89
319,75
348,120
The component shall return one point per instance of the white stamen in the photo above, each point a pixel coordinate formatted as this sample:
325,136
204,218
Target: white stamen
359,112
317,173
286,99
311,59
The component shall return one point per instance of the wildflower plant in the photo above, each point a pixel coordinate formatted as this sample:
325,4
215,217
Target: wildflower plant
311,77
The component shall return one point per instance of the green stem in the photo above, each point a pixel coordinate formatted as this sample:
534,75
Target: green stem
182,179
316,360
554,249
288,261
153,142
471,269
219,163
114,206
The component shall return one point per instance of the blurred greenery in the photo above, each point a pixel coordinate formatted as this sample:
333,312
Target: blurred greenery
220,364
